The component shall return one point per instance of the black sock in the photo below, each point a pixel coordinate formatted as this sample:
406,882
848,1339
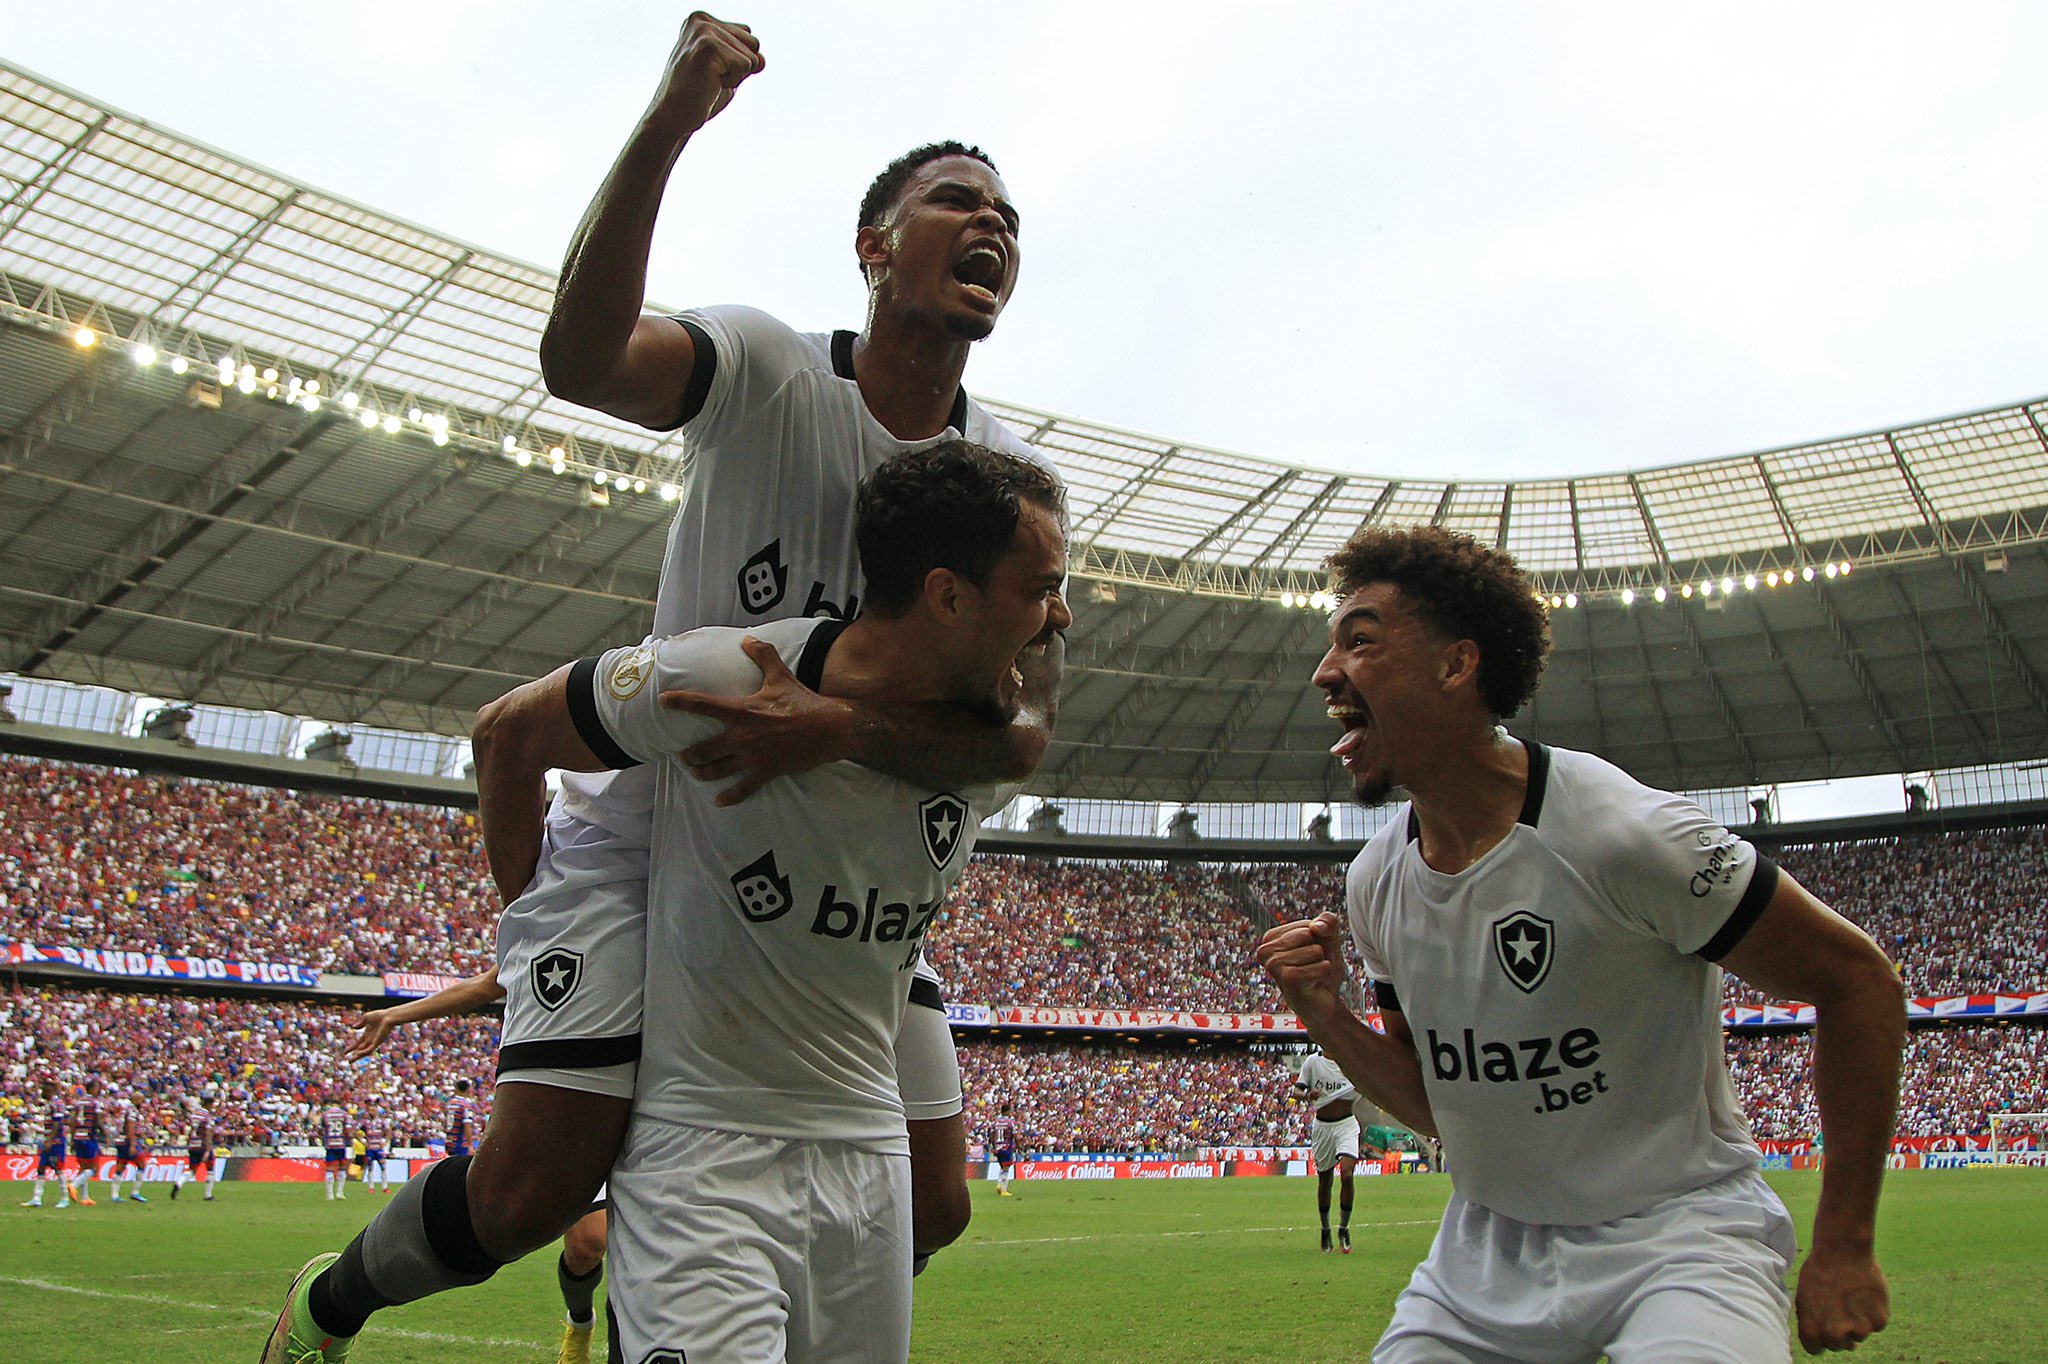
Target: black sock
578,1291
420,1243
341,1298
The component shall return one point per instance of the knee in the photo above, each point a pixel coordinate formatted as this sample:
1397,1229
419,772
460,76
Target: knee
583,1246
517,1211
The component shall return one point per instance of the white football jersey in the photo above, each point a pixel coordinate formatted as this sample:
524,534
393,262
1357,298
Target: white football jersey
1563,995
779,440
1324,1081
782,932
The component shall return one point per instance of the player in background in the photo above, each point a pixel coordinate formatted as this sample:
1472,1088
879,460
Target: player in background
50,1150
779,426
376,1137
1002,1143
131,1151
1334,1138
1546,939
199,1158
332,1123
86,1120
459,1116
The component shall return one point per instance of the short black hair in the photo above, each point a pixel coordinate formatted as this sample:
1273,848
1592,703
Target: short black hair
952,505
888,186
1462,589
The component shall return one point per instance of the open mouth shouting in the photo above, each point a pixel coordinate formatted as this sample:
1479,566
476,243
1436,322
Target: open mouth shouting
982,270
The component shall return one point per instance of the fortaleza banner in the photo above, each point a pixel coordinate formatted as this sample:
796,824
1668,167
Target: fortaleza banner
156,966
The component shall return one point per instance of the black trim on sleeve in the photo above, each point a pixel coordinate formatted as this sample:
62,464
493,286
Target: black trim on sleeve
1763,883
925,994
810,664
1383,995
570,1053
1539,782
957,418
583,712
1414,825
702,371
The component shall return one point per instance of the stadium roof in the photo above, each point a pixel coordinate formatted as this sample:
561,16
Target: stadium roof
331,494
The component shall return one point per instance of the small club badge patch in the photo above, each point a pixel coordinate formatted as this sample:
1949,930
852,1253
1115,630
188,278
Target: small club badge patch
1523,943
763,889
943,819
556,974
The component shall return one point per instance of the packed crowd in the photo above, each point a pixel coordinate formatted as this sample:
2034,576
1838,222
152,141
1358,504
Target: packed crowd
1955,1078
260,1067
95,857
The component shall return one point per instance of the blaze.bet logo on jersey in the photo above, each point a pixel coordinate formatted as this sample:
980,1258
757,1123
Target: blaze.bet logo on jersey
941,820
763,579
1523,944
763,890
555,975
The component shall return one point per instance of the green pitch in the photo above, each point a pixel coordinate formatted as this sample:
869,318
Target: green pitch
1172,1272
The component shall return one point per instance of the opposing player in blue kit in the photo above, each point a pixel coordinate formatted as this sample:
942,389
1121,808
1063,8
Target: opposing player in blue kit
1546,940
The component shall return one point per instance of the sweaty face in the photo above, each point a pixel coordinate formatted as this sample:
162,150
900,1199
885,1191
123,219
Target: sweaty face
1016,613
946,252
1377,681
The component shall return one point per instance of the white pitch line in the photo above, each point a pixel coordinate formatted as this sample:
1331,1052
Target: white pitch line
50,1286
1209,1231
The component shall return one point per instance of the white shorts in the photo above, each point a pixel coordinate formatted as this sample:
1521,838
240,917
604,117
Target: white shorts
1697,1279
1332,1140
572,956
735,1249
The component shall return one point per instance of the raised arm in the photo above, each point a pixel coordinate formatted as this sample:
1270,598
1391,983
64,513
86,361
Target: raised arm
517,738
598,351
1800,949
1305,958
785,727
480,991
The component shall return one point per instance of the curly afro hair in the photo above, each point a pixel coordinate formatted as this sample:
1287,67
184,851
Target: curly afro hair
1461,589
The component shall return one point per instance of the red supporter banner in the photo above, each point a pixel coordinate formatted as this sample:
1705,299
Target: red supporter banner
157,966
417,984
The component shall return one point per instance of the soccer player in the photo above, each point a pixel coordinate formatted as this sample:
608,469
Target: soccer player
131,1150
1334,1138
50,1150
1002,1142
85,1141
779,426
1546,939
199,1159
460,1120
332,1122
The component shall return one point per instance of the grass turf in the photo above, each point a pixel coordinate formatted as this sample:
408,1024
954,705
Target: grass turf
1122,1273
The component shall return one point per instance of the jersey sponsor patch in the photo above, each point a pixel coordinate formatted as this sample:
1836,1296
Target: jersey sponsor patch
942,819
630,673
763,890
555,975
1523,942
763,579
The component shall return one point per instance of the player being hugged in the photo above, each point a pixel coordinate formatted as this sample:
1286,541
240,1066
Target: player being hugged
1546,938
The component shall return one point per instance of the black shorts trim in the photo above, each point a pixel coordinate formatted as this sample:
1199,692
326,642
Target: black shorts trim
583,712
577,1053
1763,883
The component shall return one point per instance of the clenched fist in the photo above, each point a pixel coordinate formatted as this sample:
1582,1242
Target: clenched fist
710,60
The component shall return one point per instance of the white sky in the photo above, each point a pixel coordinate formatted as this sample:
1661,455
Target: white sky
1478,240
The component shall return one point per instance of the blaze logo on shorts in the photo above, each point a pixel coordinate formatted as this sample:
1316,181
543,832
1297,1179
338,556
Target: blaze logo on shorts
763,889
763,579
1522,943
942,818
630,673
555,975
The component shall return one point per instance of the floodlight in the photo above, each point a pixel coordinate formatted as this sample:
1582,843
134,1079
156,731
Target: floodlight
1685,591
440,437
1749,581
523,458
509,444
1807,573
1628,596
1831,570
391,424
413,415
144,355
179,364
86,338
1727,585
368,419
1845,568
669,492
312,385
270,374
351,400
639,485
1571,601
